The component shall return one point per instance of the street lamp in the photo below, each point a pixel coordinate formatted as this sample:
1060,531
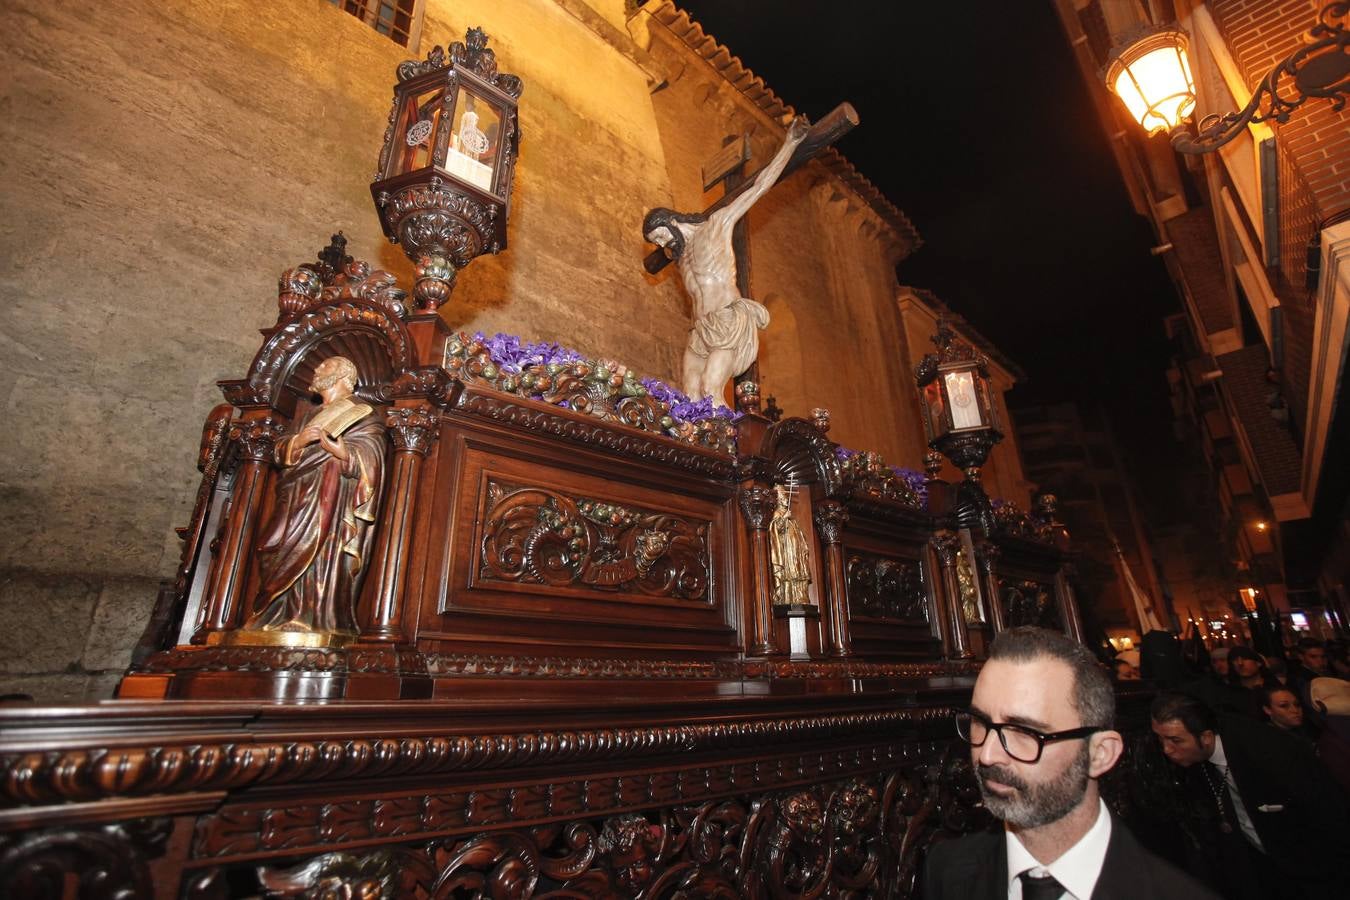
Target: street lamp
443,187
1151,74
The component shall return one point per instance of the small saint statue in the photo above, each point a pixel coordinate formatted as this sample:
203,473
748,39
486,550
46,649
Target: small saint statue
315,547
724,340
788,554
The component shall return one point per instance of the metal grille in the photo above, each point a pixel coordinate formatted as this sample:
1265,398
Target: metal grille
392,18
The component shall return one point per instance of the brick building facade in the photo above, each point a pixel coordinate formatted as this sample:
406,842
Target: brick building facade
1256,238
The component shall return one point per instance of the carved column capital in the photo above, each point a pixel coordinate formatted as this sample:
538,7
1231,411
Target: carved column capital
831,517
932,464
757,505
257,437
945,544
412,428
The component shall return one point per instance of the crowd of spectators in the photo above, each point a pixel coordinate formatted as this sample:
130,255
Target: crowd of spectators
1259,747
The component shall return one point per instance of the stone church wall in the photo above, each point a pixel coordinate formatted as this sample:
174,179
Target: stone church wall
165,162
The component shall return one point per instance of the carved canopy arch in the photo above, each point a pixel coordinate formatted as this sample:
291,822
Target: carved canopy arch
367,333
799,452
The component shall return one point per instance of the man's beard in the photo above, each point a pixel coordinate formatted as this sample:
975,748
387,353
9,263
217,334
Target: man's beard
1035,805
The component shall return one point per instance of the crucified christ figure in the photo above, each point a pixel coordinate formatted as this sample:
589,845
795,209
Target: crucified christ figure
724,339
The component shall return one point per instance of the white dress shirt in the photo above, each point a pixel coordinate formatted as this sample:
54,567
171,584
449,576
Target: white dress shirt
1244,819
1077,869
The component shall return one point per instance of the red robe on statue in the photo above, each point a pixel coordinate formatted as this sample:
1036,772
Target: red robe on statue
314,550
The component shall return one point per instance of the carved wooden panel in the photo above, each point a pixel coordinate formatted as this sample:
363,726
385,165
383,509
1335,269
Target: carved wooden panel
886,587
535,536
1029,602
567,548
839,824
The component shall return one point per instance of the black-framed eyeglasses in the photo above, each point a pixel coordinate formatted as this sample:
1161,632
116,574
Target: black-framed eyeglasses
1020,742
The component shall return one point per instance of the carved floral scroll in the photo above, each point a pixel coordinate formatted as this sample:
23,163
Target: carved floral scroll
538,536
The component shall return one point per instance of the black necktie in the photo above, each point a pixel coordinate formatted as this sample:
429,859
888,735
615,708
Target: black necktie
1044,888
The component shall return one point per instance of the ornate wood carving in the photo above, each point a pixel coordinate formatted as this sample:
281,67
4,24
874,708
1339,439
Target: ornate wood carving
800,453
289,343
829,825
757,506
210,459
1028,602
105,863
577,430
390,661
865,475
413,430
130,770
986,556
255,437
945,543
886,587
431,382
538,536
339,876
831,517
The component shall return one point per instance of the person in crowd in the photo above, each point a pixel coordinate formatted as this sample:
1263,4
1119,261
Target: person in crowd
1124,670
1217,690
1246,669
1283,710
1218,662
1247,675
1329,710
1040,729
1312,663
1271,820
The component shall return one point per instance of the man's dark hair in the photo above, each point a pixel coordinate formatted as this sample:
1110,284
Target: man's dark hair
661,217
1307,643
1093,696
1190,712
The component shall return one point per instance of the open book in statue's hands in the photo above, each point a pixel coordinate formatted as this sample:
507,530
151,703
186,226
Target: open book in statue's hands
336,417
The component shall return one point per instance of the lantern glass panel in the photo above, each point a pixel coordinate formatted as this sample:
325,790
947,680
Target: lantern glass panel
475,141
1157,88
965,404
936,418
415,132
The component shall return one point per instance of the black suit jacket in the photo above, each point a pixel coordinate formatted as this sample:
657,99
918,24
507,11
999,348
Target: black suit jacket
975,867
1298,811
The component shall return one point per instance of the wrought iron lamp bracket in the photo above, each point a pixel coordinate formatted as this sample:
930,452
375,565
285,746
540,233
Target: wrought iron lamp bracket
1321,69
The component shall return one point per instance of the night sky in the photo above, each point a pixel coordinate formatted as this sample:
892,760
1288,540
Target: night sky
976,123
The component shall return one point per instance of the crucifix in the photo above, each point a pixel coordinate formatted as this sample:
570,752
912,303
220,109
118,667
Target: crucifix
711,251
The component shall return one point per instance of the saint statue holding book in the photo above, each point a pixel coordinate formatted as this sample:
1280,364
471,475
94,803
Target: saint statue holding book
316,546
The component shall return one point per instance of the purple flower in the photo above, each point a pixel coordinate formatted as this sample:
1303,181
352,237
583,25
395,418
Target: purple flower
682,408
843,454
511,355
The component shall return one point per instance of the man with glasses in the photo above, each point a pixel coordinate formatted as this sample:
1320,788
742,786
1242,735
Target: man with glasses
1040,735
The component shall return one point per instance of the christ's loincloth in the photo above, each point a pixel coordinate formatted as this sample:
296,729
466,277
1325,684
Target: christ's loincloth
733,327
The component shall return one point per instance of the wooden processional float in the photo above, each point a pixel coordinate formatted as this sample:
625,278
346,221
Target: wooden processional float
449,624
